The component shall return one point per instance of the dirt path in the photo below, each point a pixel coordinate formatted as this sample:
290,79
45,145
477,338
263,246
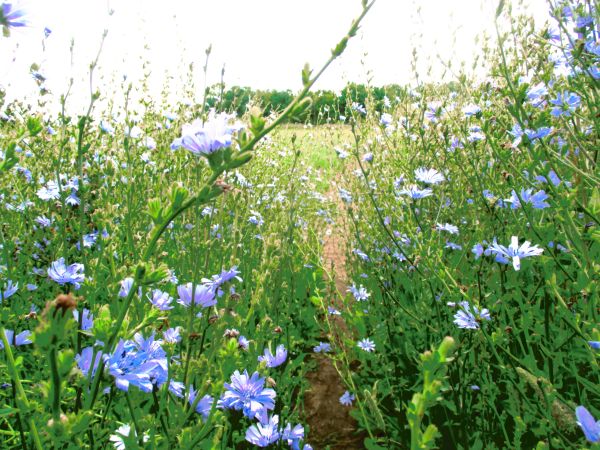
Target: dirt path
331,425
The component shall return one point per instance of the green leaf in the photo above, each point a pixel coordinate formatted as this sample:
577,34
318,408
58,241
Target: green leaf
8,411
339,49
155,210
306,72
178,196
34,126
257,123
499,8
10,160
371,444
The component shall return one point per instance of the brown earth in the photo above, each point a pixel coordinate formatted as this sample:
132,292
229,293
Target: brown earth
331,425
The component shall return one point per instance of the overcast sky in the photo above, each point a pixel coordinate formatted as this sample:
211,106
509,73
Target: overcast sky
262,43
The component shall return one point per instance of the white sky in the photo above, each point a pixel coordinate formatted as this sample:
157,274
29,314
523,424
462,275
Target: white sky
263,43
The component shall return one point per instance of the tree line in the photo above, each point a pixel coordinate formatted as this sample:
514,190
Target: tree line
325,106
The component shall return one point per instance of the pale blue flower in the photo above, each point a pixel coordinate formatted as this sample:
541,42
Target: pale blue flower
10,289
477,250
50,191
347,398
452,229
415,192
84,360
362,255
386,119
359,108
515,252
10,17
475,134
43,221
589,425
141,362
565,103
471,110
470,316
536,93
203,295
429,176
293,436
107,127
274,360
265,432
536,200
73,274
20,339
323,347
204,138
126,286
243,342
434,111
247,394
453,246
160,300
87,319
360,293
345,195
204,405
332,311
366,344
594,344
172,335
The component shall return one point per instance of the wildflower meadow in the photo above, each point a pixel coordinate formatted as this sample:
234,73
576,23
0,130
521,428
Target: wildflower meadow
404,267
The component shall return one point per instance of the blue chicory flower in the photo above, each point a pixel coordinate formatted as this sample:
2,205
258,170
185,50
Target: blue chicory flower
172,335
274,360
565,103
160,300
203,295
429,176
470,316
247,393
204,405
590,427
265,432
452,229
20,339
10,289
514,252
87,319
360,293
347,398
323,347
10,17
204,138
73,274
293,435
84,360
415,192
366,344
141,362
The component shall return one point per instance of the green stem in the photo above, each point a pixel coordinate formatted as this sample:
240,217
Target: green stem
52,355
22,402
134,419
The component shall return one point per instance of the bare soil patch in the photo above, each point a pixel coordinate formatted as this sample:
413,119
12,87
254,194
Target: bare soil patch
331,425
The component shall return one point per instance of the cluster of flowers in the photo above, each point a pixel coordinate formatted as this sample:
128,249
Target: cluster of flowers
204,294
248,394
